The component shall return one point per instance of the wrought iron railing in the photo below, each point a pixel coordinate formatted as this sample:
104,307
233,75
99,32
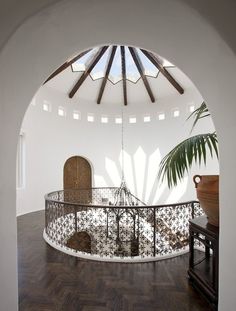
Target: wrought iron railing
86,222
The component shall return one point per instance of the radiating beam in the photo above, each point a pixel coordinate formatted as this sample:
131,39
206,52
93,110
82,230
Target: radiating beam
66,65
87,71
140,68
104,81
123,67
156,62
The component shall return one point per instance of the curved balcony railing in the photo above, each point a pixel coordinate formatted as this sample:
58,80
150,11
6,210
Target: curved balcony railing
86,223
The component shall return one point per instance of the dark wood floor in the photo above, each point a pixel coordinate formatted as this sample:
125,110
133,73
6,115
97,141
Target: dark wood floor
52,281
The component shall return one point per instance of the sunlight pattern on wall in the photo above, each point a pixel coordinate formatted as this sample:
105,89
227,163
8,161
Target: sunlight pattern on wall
151,181
159,192
100,180
140,160
141,173
177,191
112,171
129,171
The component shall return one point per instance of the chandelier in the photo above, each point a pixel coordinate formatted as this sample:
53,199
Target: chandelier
123,196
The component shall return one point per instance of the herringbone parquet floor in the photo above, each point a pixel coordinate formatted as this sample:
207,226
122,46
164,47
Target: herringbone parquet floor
52,281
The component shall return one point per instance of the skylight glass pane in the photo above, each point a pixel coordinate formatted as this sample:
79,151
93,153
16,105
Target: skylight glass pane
100,68
132,72
149,68
115,72
81,63
165,62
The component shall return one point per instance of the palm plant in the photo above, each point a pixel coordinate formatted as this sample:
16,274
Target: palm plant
179,160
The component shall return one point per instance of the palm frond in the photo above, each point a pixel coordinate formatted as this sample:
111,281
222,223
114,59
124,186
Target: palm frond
179,160
198,114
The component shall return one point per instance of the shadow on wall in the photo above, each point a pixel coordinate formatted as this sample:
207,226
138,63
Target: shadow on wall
140,173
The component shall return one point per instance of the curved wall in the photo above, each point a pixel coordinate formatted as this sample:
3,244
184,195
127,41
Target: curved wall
168,28
47,147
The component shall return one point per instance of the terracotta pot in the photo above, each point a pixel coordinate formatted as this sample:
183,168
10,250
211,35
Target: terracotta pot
208,195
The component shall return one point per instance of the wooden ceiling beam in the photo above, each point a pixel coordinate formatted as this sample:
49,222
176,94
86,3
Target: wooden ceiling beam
123,68
87,71
140,68
158,64
104,80
66,65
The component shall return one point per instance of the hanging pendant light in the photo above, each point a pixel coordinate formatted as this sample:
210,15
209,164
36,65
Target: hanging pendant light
123,196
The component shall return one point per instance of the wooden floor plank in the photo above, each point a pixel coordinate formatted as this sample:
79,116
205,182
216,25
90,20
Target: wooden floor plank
52,281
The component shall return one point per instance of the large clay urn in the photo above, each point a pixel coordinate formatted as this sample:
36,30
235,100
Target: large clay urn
207,187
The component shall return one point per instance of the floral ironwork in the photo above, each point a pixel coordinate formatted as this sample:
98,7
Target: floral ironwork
123,231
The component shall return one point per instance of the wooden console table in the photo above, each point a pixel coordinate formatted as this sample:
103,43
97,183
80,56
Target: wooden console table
203,266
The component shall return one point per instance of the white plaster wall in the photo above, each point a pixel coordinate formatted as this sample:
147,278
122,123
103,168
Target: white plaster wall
169,28
51,139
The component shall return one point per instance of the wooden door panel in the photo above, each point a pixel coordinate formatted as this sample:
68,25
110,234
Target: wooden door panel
83,174
77,173
70,173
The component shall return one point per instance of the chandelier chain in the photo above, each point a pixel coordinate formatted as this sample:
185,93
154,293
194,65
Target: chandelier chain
122,147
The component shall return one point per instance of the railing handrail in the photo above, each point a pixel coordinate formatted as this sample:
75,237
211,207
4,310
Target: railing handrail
77,204
84,221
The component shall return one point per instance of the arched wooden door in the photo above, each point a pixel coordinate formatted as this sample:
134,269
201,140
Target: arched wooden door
77,173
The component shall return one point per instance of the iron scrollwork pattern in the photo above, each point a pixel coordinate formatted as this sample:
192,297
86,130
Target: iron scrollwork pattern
123,231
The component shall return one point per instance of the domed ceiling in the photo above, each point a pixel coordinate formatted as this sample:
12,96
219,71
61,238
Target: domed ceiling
120,74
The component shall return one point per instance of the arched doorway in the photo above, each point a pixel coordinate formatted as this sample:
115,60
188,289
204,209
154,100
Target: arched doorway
77,173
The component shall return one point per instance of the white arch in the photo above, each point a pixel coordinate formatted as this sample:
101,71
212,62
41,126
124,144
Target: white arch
167,27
